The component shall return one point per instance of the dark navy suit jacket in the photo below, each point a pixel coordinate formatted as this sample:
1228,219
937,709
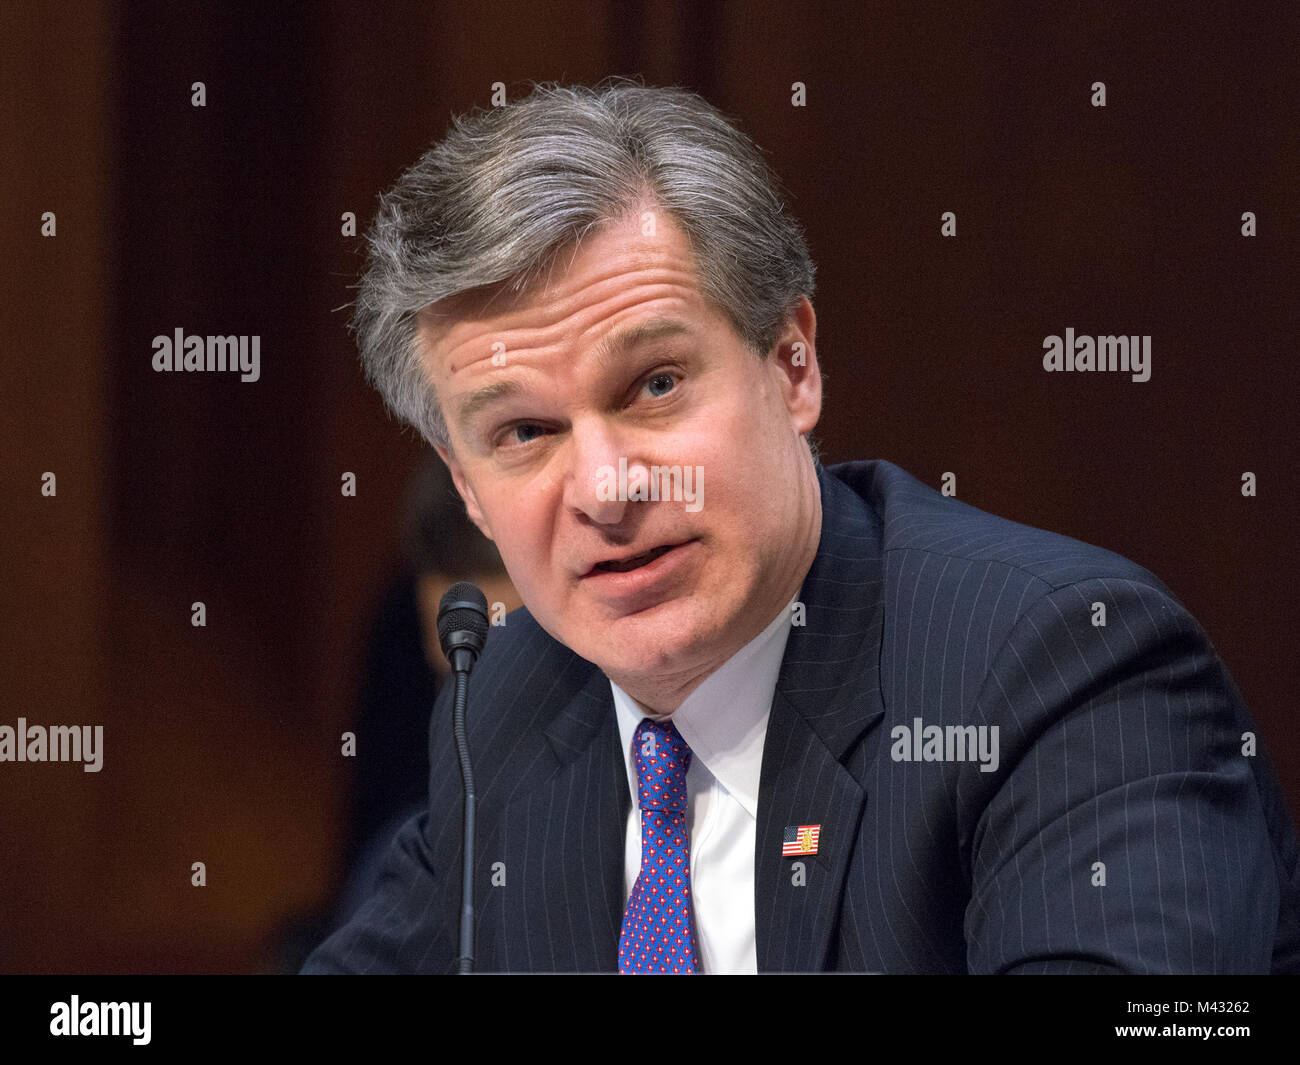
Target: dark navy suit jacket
1123,829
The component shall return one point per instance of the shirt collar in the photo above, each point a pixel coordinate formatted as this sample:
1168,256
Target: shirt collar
724,720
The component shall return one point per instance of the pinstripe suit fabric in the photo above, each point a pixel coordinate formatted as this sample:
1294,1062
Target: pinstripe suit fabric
1118,744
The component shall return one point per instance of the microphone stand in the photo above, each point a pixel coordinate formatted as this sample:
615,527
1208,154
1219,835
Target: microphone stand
462,630
465,961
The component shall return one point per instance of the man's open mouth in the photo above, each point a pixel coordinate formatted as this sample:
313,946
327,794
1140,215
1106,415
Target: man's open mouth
635,562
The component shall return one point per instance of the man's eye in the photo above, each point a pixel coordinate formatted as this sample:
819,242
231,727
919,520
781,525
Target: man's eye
519,434
669,381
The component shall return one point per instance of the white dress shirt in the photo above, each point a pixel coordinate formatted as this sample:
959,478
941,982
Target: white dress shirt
724,721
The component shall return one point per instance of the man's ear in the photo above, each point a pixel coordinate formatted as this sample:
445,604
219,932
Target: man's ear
466,491
794,361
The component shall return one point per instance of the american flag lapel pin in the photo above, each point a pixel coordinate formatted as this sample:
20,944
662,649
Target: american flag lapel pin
800,839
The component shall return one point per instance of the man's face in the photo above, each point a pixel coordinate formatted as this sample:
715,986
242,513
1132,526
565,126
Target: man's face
618,356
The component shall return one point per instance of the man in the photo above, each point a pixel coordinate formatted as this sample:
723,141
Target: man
756,714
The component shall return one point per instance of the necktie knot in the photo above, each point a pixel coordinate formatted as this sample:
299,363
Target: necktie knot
662,759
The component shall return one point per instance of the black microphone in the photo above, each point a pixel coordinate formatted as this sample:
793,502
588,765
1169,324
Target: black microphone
462,631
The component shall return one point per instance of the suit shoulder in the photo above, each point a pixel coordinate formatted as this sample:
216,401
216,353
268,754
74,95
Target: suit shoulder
522,680
519,651
917,519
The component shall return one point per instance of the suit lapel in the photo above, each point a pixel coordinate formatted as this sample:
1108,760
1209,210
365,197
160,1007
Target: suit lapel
565,843
827,700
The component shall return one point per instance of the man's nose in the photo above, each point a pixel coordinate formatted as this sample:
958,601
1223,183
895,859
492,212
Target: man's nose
594,483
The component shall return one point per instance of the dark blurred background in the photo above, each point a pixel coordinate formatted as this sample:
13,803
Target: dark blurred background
222,743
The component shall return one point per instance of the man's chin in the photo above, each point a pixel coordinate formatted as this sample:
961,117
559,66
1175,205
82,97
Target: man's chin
656,637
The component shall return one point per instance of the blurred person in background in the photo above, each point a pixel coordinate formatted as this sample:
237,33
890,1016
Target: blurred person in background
403,670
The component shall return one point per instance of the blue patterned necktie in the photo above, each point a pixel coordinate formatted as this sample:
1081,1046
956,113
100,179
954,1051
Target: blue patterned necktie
659,925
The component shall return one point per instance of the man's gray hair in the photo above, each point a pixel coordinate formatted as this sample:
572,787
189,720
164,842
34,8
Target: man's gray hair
510,187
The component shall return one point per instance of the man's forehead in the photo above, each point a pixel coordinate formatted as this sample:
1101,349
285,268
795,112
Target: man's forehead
627,244
437,320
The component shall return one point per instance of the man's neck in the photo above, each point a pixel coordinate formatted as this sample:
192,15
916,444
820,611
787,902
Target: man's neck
662,696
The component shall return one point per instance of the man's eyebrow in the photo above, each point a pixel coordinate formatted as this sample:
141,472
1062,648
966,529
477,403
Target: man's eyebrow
609,349
483,397
641,333
644,332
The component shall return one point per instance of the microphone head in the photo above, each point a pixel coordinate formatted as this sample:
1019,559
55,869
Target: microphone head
462,619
